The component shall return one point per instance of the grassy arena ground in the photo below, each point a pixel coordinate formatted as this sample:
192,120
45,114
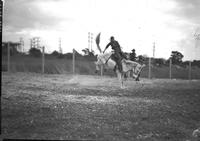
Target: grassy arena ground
36,106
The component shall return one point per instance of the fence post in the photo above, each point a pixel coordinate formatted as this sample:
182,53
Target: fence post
8,65
170,68
189,75
101,70
43,60
149,67
73,62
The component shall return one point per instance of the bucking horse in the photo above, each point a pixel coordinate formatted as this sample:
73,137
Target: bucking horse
105,59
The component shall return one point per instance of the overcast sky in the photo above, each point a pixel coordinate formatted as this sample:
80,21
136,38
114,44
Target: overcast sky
136,24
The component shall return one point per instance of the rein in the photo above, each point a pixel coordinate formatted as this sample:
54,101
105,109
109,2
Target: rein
108,59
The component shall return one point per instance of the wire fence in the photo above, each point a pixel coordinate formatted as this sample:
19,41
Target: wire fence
73,64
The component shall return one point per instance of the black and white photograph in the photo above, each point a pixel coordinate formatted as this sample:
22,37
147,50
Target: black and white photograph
113,70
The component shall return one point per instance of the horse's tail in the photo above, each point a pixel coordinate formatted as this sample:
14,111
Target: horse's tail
98,41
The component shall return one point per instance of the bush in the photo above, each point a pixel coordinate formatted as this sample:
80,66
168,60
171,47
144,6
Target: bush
176,57
196,63
142,59
55,53
159,61
35,52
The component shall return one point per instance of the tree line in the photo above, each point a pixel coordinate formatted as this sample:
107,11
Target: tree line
176,56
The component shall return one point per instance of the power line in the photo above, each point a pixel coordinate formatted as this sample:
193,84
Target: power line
90,41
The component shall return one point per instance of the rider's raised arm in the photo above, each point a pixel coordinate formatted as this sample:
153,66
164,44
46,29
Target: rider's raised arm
106,47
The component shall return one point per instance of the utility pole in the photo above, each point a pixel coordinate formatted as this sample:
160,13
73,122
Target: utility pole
154,49
197,41
60,47
90,41
21,44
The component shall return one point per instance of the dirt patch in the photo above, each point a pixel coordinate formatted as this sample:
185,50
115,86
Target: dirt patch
85,99
36,106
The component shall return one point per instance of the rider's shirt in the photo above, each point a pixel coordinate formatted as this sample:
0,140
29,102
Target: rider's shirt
115,46
117,56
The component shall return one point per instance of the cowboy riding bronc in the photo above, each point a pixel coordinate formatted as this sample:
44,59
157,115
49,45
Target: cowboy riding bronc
111,60
118,55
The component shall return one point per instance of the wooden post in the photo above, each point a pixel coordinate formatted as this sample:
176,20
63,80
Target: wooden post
101,70
8,65
149,67
189,75
170,68
73,62
43,60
